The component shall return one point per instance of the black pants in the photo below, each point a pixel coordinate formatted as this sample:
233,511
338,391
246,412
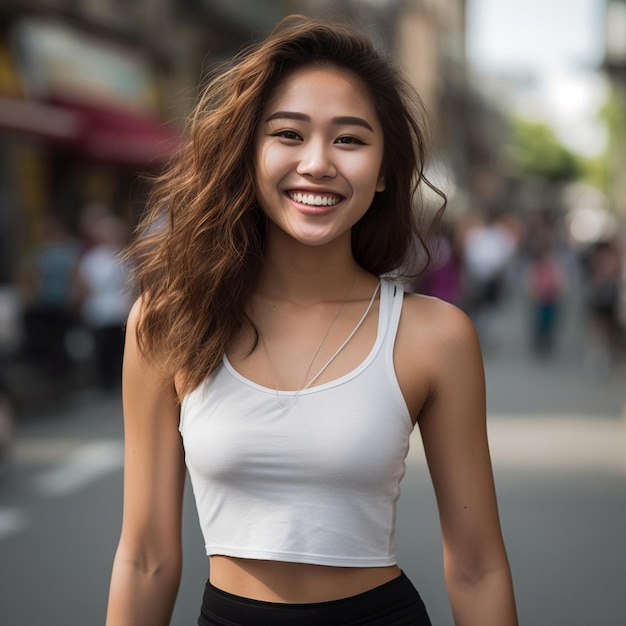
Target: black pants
396,603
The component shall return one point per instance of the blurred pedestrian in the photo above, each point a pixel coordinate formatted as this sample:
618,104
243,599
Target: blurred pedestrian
47,276
546,282
603,298
489,245
265,336
443,277
102,290
88,223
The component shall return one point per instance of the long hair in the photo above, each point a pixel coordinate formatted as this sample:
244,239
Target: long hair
200,245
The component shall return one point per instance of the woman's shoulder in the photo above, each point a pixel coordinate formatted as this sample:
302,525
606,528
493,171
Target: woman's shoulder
430,309
142,364
431,324
137,350
134,316
436,348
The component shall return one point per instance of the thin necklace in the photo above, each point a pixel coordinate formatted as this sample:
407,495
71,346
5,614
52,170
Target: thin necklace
345,343
315,353
304,384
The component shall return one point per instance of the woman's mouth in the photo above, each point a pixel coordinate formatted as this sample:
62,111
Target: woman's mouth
314,199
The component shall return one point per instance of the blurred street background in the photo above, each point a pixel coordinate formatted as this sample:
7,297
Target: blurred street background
527,109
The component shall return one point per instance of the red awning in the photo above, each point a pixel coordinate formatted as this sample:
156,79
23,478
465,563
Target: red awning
124,137
102,134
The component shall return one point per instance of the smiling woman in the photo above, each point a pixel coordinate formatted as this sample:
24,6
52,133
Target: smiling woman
273,355
318,155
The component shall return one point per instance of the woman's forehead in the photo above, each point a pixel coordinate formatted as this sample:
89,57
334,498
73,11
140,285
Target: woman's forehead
320,88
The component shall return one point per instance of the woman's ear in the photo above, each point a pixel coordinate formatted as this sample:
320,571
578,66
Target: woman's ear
380,184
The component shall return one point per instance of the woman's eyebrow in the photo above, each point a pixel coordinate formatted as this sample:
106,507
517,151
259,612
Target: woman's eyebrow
349,120
288,115
344,120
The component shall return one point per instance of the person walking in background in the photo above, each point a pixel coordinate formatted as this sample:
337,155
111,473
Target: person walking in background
443,277
88,223
546,282
488,247
603,298
267,354
103,296
47,276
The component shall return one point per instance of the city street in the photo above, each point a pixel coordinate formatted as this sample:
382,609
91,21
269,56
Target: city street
558,438
236,145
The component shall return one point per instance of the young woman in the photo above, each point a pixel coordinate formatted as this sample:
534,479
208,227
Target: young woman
267,355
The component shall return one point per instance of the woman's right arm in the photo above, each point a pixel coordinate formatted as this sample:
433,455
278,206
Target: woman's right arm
147,565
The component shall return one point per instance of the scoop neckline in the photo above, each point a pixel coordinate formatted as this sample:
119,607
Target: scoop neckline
380,332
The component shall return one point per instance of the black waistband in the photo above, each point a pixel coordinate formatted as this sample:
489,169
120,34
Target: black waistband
394,603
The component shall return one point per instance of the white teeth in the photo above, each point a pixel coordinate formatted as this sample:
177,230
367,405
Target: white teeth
313,200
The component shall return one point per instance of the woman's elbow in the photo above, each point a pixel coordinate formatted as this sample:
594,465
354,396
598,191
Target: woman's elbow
473,568
156,561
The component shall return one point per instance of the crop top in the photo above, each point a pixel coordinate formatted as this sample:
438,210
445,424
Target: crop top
316,481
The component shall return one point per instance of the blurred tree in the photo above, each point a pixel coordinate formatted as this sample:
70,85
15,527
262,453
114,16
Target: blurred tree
536,153
598,170
613,114
595,171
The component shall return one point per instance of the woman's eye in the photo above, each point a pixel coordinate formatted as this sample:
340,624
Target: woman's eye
287,134
350,140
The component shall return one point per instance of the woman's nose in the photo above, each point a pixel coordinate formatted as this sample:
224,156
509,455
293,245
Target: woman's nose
316,161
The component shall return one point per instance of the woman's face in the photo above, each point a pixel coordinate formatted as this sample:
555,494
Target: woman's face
318,155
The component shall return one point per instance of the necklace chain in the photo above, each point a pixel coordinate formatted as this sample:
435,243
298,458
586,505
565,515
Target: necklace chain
304,385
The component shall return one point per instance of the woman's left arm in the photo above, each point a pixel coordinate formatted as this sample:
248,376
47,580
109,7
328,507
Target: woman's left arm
453,428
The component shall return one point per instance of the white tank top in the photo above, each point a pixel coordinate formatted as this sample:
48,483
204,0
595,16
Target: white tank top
316,481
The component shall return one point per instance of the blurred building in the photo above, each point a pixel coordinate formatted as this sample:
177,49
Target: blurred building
92,93
429,44
81,112
95,92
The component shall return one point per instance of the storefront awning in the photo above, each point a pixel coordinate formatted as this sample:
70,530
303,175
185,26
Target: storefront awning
101,134
123,137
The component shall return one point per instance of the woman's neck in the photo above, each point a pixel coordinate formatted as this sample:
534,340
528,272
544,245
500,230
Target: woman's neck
308,274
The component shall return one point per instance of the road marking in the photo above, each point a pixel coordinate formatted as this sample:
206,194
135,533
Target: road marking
11,521
552,442
556,442
44,451
79,468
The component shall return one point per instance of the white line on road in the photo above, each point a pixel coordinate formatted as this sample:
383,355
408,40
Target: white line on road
553,442
11,521
556,442
79,468
45,450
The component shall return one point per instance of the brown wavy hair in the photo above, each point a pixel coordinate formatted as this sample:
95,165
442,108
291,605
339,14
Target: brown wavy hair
200,245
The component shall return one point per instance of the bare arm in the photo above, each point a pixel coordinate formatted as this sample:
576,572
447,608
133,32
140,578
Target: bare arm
147,566
453,428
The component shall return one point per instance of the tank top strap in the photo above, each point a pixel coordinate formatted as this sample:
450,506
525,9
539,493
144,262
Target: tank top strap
392,298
